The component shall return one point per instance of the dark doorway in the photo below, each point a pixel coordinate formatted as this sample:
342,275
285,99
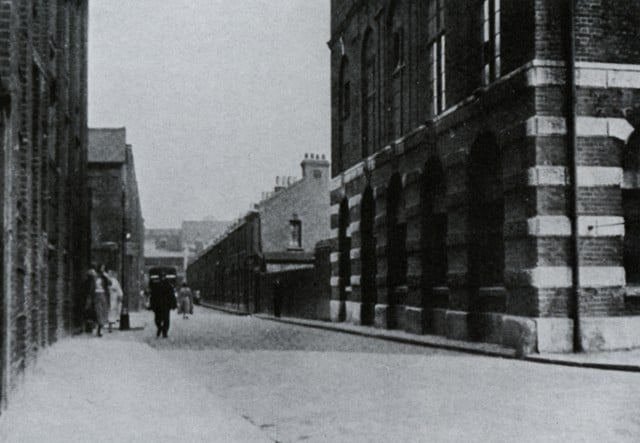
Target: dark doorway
344,249
433,233
631,211
396,245
486,213
368,256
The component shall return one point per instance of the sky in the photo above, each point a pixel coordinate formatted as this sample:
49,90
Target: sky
218,97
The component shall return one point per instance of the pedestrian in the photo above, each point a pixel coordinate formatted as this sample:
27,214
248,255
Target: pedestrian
277,296
163,300
185,301
95,291
115,298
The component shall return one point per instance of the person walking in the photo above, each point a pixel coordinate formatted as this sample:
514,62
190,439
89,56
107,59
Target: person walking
163,300
277,296
115,298
185,301
95,290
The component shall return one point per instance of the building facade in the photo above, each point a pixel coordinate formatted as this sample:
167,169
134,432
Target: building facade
43,119
117,227
280,234
485,165
163,247
198,234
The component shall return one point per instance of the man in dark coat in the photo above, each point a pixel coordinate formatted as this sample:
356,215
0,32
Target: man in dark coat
163,300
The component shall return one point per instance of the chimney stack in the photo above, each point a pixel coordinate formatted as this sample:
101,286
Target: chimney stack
280,184
315,165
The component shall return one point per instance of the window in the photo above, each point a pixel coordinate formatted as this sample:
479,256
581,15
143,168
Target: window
295,226
369,94
398,48
437,54
346,100
490,41
344,111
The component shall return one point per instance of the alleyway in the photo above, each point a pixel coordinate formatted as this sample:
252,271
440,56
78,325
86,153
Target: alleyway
235,378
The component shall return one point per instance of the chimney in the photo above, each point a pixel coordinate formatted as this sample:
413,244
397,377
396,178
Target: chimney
280,185
315,165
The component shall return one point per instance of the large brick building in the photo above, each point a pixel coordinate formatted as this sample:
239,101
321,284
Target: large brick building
279,234
460,131
43,118
117,226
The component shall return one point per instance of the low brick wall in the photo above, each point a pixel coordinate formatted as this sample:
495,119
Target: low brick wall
305,293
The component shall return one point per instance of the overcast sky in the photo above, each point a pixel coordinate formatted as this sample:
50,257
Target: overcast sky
218,96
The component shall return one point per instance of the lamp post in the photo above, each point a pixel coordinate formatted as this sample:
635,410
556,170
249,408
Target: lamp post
124,313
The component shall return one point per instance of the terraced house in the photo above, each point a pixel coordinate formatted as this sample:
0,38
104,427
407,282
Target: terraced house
485,170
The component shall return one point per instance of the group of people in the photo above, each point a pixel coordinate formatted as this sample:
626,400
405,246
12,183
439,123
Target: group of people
103,298
163,300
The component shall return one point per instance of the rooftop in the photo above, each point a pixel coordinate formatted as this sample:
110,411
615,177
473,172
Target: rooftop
107,145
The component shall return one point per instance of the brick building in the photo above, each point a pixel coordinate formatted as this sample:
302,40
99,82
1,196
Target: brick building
117,227
279,234
43,117
460,128
198,234
163,247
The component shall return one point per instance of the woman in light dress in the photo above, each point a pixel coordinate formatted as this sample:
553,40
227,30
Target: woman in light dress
115,299
185,301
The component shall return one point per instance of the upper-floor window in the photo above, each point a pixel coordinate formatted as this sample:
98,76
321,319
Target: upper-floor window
437,54
398,48
346,99
490,41
369,92
295,227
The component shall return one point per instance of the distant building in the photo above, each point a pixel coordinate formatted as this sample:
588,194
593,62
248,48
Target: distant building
117,227
279,234
163,247
43,179
175,247
198,234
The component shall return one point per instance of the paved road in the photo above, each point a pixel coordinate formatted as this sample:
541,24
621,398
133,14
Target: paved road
299,384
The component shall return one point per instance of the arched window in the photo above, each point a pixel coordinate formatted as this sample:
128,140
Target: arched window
434,227
631,209
368,255
396,72
344,112
486,213
369,85
344,248
396,238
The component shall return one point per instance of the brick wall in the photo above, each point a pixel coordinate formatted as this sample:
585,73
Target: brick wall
524,111
45,246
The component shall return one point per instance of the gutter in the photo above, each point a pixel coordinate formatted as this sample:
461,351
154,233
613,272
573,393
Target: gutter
572,145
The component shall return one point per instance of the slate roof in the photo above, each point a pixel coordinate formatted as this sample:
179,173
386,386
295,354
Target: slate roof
107,145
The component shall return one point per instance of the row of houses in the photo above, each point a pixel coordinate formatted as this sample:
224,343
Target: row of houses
277,237
484,182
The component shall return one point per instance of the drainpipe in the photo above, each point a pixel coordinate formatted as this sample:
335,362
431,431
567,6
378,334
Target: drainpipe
573,170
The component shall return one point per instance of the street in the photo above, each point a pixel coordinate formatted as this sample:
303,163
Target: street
225,378
299,384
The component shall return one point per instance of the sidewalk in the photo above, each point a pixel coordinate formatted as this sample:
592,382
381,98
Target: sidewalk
116,389
620,360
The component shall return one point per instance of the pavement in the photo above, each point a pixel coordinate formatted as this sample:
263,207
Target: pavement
116,389
623,360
